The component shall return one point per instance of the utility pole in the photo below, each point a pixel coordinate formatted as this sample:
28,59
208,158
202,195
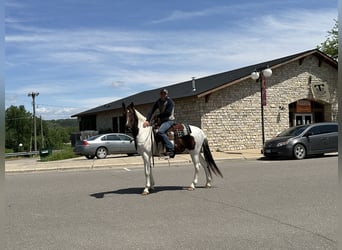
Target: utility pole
41,130
34,94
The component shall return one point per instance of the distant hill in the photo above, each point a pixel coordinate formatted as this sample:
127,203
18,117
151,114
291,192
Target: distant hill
65,123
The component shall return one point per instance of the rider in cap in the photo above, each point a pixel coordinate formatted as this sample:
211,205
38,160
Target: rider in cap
165,105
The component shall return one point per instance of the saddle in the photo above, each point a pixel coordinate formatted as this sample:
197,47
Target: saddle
180,135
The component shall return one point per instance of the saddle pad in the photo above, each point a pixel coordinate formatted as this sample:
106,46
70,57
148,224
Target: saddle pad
181,129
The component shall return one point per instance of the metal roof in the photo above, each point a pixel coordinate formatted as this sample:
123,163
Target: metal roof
205,85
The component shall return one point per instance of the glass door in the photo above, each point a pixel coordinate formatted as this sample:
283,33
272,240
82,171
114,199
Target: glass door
302,119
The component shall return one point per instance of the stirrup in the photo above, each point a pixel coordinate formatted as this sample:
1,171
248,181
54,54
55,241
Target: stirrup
171,153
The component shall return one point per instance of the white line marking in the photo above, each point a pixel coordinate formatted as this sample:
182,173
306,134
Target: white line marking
127,169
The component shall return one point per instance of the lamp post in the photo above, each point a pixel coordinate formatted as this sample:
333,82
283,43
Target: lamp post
260,76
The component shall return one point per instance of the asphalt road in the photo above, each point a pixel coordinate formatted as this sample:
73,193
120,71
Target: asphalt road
257,205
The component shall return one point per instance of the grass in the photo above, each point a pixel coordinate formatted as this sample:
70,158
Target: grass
65,153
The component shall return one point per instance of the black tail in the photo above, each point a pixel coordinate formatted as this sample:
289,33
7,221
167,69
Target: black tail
210,160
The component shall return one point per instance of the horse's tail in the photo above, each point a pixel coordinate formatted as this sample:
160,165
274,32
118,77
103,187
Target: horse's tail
211,165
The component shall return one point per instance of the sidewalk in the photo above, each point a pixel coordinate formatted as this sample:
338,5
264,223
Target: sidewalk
114,161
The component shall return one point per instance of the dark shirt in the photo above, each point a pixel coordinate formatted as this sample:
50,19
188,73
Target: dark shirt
166,110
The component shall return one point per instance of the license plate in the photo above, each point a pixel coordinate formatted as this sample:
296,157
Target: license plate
268,150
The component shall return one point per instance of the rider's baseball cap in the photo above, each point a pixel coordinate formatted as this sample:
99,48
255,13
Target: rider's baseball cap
164,91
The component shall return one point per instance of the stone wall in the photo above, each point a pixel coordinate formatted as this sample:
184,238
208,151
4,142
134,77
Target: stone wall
188,110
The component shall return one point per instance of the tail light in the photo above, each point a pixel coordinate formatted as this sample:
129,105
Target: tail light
85,143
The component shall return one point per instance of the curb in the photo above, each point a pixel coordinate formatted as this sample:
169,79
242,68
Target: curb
80,163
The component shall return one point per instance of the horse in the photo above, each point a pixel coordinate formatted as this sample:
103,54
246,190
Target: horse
145,143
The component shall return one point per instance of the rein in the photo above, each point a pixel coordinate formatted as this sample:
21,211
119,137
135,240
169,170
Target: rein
152,148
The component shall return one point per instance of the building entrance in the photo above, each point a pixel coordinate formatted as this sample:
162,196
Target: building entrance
305,111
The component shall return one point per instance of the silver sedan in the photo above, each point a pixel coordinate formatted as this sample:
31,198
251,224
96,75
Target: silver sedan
105,144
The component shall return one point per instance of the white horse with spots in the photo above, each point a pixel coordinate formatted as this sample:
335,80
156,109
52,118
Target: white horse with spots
145,143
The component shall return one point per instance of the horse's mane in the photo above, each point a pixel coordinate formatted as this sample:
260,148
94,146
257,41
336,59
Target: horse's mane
140,116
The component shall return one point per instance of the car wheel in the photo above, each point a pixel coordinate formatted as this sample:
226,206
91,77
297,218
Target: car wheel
299,151
90,157
101,153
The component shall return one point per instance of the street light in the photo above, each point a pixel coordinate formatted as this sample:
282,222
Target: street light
260,75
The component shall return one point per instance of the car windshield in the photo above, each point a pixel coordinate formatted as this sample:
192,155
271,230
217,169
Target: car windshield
293,131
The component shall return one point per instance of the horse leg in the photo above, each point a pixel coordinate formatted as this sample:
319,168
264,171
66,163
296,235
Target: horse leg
152,179
147,169
207,174
196,162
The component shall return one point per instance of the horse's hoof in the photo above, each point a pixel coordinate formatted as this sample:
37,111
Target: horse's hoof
208,186
144,193
191,188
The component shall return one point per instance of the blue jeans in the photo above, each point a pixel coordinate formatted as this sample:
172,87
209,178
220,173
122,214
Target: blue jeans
162,132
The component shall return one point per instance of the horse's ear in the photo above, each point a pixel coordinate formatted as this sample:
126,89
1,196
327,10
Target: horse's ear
131,105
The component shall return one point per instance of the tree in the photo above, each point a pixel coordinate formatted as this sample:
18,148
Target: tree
19,131
18,128
330,45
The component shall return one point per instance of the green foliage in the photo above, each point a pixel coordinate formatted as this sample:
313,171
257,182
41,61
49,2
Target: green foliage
65,123
330,45
65,153
9,150
50,134
18,128
58,132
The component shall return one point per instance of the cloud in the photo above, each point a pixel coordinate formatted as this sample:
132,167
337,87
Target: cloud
113,47
178,15
84,66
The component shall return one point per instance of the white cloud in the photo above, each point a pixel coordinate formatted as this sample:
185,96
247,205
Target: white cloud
180,15
92,63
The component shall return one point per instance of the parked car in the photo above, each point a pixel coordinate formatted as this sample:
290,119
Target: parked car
301,141
105,144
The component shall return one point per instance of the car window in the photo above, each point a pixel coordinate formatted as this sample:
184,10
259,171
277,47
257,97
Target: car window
323,129
315,130
111,138
293,131
329,128
124,138
93,137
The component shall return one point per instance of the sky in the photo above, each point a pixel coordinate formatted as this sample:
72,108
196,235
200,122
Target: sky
80,54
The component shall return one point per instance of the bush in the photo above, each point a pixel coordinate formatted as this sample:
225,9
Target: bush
8,150
65,153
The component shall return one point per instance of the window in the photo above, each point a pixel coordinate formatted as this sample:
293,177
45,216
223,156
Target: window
124,138
118,124
111,138
329,128
315,131
323,129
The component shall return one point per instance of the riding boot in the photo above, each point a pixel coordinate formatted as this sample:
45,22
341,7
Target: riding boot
170,153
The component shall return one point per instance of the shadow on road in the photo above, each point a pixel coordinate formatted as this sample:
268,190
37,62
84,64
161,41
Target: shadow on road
136,190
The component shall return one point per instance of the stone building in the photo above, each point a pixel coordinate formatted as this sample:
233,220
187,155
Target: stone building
228,106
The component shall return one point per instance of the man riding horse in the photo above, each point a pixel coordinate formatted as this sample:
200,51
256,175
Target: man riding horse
165,105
